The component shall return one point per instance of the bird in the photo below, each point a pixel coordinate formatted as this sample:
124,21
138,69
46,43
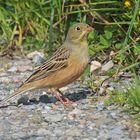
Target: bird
62,68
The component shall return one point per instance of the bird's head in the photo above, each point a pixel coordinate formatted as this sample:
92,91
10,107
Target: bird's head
78,32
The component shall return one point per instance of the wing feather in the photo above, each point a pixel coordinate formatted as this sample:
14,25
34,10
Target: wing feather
58,61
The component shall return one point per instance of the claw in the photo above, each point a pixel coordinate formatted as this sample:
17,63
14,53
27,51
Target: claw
64,100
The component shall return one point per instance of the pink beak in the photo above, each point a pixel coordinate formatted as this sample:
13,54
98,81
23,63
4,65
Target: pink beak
89,29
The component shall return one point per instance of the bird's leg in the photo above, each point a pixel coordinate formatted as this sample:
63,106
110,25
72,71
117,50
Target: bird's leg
65,99
59,95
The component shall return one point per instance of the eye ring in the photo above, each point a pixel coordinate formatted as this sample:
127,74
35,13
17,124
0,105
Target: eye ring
77,28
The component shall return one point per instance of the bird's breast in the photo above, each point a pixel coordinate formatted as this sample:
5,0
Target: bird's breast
76,64
67,75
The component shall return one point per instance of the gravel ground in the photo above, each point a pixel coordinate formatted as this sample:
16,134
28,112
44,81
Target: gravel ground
44,118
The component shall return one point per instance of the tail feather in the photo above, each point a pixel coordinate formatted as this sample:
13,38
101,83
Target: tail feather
21,90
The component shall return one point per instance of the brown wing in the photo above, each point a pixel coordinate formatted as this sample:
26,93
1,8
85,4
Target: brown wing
56,62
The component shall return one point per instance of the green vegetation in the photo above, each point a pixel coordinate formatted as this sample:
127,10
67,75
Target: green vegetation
131,99
39,24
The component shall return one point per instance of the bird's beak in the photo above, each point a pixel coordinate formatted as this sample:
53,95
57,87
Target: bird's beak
89,29
85,32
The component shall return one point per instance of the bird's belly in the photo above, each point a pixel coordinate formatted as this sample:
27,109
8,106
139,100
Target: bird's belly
65,76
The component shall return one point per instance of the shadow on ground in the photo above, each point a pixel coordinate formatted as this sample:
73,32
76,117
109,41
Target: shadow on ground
75,95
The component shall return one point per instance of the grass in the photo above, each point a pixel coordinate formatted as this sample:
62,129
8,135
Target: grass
130,100
43,22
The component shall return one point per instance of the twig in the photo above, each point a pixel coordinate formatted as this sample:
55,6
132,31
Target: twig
55,24
94,13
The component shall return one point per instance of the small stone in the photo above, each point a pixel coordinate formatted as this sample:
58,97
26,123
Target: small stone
110,89
74,113
2,74
2,70
23,68
45,108
37,59
70,138
40,138
94,65
54,118
57,132
104,126
100,106
52,138
23,100
101,90
112,53
113,115
16,80
116,130
43,131
28,107
88,139
33,100
32,54
92,126
36,119
44,99
64,88
22,62
133,134
54,107
5,80
73,132
12,69
83,122
107,66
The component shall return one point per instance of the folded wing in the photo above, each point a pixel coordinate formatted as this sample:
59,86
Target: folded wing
58,61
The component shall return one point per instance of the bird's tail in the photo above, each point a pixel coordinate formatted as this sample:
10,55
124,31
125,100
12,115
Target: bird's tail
21,90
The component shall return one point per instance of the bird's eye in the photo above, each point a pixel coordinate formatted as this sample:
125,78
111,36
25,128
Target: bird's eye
77,28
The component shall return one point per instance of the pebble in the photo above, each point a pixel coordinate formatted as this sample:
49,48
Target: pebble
100,106
12,69
43,131
32,54
24,68
5,80
37,59
52,138
70,138
74,113
54,118
107,66
94,66
58,132
44,99
23,100
75,132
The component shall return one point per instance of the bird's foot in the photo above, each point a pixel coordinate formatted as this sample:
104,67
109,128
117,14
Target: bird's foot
64,100
68,103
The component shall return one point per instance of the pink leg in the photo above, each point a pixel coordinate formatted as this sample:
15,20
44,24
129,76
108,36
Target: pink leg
64,100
